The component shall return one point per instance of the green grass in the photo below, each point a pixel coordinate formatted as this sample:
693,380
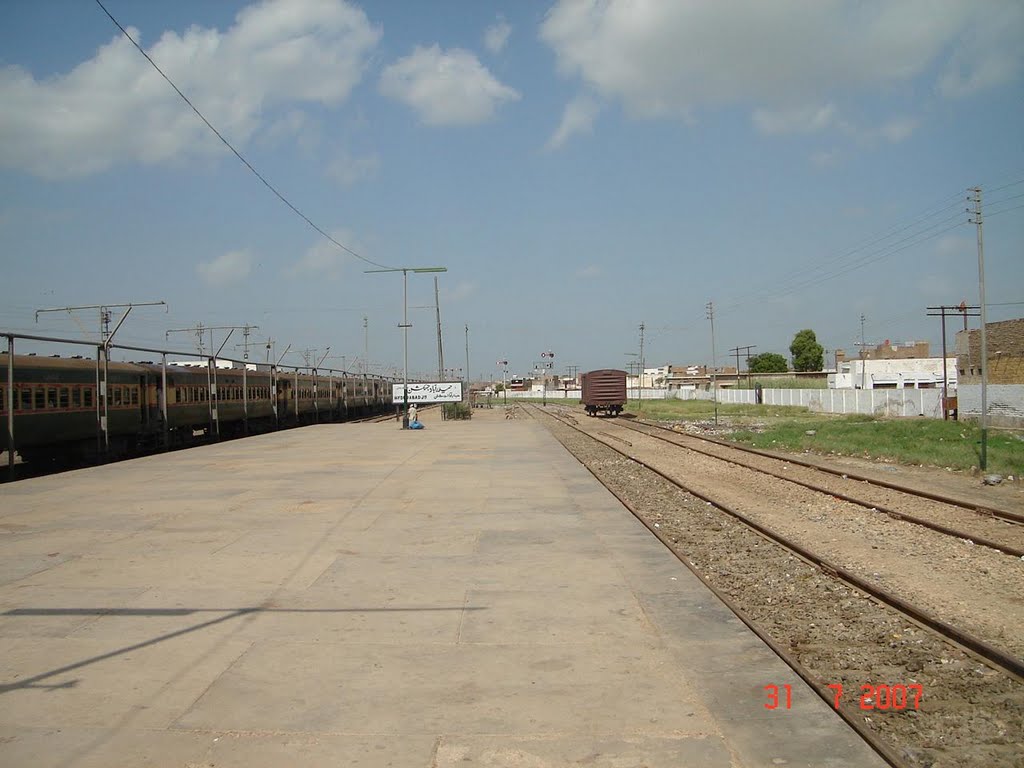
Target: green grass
905,441
700,410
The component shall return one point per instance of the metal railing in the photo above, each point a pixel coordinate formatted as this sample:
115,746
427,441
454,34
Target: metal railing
103,373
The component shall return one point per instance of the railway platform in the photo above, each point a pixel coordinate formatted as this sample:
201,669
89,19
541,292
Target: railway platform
355,594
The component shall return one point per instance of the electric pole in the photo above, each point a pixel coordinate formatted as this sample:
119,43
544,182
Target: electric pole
714,360
640,399
440,349
863,352
102,366
366,345
984,321
246,329
467,359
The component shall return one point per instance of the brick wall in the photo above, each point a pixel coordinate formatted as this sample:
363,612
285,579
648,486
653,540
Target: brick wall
1005,353
888,351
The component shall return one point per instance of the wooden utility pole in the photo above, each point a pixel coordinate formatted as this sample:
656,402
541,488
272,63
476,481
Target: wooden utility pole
941,311
737,350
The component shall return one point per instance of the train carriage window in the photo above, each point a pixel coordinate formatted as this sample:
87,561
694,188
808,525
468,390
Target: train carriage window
65,397
135,395
40,399
116,396
76,398
26,399
51,397
87,397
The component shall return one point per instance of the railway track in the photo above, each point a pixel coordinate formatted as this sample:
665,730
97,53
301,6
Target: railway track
998,529
914,742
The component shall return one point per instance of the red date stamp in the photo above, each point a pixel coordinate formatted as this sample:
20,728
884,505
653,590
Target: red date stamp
882,697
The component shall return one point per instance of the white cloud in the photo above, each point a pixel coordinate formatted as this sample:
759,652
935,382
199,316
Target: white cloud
231,267
115,108
799,120
955,245
578,117
496,36
898,129
989,53
674,58
348,169
936,286
445,87
462,290
323,259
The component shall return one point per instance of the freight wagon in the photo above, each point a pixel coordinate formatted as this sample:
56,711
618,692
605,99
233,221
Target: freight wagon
604,390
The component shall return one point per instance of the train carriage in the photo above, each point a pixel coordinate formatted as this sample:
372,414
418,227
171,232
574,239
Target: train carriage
604,390
58,409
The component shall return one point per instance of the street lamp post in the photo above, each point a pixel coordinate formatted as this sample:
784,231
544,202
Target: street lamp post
544,379
405,330
504,377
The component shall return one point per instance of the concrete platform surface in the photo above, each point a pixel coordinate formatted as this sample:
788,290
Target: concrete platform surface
357,595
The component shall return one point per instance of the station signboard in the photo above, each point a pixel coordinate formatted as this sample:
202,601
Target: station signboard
435,392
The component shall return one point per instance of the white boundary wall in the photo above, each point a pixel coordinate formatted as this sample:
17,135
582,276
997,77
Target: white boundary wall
875,402
1005,401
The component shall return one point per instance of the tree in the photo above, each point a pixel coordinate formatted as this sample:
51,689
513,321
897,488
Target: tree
808,354
767,362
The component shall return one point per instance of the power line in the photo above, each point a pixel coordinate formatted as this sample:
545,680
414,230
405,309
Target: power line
227,144
1006,186
939,208
948,203
1004,210
887,251
1007,199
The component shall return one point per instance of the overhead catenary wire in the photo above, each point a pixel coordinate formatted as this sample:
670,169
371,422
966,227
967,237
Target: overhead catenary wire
946,204
234,151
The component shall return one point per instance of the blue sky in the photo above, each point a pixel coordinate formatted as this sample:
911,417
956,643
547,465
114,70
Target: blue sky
579,167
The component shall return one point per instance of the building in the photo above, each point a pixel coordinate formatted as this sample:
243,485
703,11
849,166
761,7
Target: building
699,376
1005,342
894,373
888,351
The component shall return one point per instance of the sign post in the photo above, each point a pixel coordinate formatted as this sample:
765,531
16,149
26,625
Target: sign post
431,392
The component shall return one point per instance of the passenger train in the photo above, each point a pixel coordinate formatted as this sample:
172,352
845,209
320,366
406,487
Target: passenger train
61,414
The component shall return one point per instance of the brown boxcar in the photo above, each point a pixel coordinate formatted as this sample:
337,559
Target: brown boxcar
604,390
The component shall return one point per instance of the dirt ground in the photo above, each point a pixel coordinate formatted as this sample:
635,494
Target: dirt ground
967,486
1008,495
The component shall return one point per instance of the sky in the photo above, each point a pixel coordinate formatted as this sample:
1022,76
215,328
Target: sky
580,168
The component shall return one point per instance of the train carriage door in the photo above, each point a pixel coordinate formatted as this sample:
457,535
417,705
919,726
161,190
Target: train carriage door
144,413
273,395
